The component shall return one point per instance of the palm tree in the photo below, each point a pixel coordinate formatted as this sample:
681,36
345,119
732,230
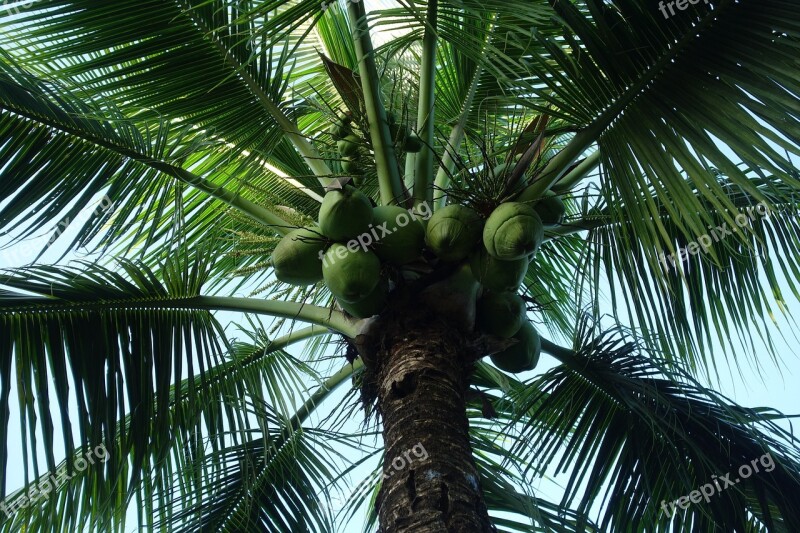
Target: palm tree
204,127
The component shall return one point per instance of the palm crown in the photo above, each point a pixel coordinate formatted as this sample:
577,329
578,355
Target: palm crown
206,129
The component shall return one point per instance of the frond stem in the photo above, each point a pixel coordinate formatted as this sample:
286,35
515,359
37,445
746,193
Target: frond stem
389,183
423,191
313,314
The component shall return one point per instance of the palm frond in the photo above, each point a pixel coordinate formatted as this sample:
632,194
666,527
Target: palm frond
118,360
635,431
269,482
214,67
694,289
61,151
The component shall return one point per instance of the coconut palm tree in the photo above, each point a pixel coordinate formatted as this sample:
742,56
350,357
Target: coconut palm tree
183,143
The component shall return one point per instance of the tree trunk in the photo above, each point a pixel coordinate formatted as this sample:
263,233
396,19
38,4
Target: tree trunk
430,481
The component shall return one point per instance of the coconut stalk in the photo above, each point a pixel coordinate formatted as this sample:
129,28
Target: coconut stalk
423,190
408,172
389,183
574,176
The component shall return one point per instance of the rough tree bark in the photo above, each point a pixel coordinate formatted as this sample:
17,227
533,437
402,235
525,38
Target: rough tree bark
420,380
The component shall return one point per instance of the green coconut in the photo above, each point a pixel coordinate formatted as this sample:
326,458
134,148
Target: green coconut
345,213
373,304
351,273
296,258
341,128
350,165
412,143
500,313
348,145
498,275
513,231
550,209
405,238
499,170
522,356
453,232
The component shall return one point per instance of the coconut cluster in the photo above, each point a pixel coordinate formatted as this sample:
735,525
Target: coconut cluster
349,144
490,257
498,252
348,249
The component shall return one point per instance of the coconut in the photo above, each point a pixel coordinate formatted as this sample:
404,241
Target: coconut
550,209
500,313
498,275
348,145
412,143
513,231
402,238
351,273
373,304
453,232
341,128
350,165
522,356
499,170
296,258
345,213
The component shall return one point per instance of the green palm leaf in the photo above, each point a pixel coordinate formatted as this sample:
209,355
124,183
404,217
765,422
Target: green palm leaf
55,138
636,433
686,296
213,70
